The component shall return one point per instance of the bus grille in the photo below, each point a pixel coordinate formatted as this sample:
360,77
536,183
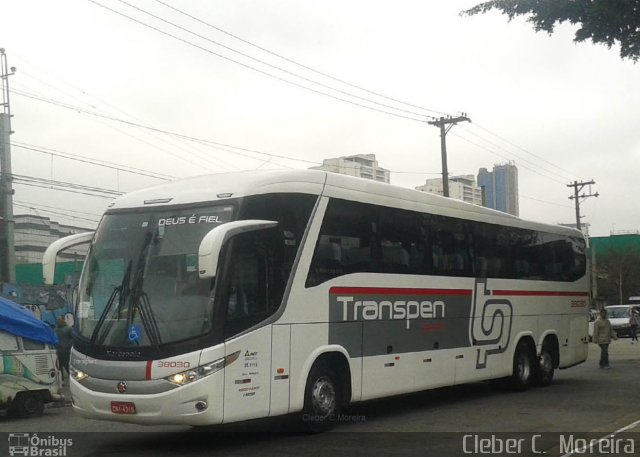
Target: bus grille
42,364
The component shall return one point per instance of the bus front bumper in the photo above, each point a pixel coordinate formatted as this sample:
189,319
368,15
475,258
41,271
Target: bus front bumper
191,404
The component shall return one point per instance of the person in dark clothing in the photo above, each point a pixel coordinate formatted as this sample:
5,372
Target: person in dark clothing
63,331
633,324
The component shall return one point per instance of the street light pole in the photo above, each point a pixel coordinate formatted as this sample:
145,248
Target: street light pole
7,239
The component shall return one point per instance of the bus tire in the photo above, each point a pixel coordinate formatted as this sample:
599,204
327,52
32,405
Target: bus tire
524,367
27,404
544,371
322,399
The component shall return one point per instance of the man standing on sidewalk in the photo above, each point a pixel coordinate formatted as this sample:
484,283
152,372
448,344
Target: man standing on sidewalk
602,335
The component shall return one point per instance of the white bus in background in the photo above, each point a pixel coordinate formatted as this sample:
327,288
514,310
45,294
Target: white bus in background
236,296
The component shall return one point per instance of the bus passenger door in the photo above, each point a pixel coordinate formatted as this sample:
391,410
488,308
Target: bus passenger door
251,292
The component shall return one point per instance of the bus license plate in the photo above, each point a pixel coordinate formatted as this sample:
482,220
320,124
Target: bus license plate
123,407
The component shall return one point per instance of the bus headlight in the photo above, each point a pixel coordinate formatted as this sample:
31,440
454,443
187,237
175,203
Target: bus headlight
77,374
185,377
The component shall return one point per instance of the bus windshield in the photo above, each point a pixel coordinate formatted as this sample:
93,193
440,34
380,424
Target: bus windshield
140,286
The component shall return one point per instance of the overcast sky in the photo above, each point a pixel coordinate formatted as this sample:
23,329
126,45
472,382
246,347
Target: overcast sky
567,111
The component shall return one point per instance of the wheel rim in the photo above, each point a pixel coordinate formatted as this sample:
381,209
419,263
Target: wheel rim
524,367
323,396
546,364
31,405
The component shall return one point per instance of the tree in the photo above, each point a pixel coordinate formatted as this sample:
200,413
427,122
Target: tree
601,21
618,273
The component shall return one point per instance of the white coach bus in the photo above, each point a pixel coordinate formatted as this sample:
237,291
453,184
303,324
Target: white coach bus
236,296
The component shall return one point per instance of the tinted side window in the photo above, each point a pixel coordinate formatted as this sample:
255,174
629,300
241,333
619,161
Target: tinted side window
402,241
347,242
357,237
449,246
253,284
292,212
495,248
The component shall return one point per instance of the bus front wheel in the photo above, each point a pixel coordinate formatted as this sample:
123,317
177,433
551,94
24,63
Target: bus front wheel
321,399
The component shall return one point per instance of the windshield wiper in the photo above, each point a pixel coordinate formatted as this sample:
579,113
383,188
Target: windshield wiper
117,292
140,300
148,318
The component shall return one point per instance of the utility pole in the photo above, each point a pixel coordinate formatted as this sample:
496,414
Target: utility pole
577,188
7,223
445,124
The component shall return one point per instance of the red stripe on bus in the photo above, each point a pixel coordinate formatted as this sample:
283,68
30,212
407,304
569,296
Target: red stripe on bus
539,293
397,291
148,372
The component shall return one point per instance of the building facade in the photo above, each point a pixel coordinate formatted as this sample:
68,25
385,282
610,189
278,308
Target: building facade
34,234
460,187
360,165
500,188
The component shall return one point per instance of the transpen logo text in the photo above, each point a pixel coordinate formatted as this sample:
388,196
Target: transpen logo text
371,310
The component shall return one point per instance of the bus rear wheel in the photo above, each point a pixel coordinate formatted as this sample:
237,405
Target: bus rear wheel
524,367
544,372
322,399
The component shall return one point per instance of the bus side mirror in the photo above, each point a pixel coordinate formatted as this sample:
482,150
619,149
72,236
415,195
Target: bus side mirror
211,244
49,257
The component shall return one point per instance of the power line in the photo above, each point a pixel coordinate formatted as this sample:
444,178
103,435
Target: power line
38,96
70,216
298,63
74,191
155,129
302,86
65,186
516,155
275,67
52,182
198,154
40,205
184,159
289,72
545,201
98,163
506,158
208,143
570,173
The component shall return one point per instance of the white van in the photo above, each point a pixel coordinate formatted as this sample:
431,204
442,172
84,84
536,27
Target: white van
619,316
29,374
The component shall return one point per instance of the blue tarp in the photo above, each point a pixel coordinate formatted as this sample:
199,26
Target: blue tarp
17,320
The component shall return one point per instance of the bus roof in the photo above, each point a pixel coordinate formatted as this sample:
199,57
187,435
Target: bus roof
222,186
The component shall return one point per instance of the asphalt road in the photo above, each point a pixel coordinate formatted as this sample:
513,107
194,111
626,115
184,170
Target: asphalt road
583,402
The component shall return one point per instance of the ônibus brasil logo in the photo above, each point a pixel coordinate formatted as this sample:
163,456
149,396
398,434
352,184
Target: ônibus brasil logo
32,445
